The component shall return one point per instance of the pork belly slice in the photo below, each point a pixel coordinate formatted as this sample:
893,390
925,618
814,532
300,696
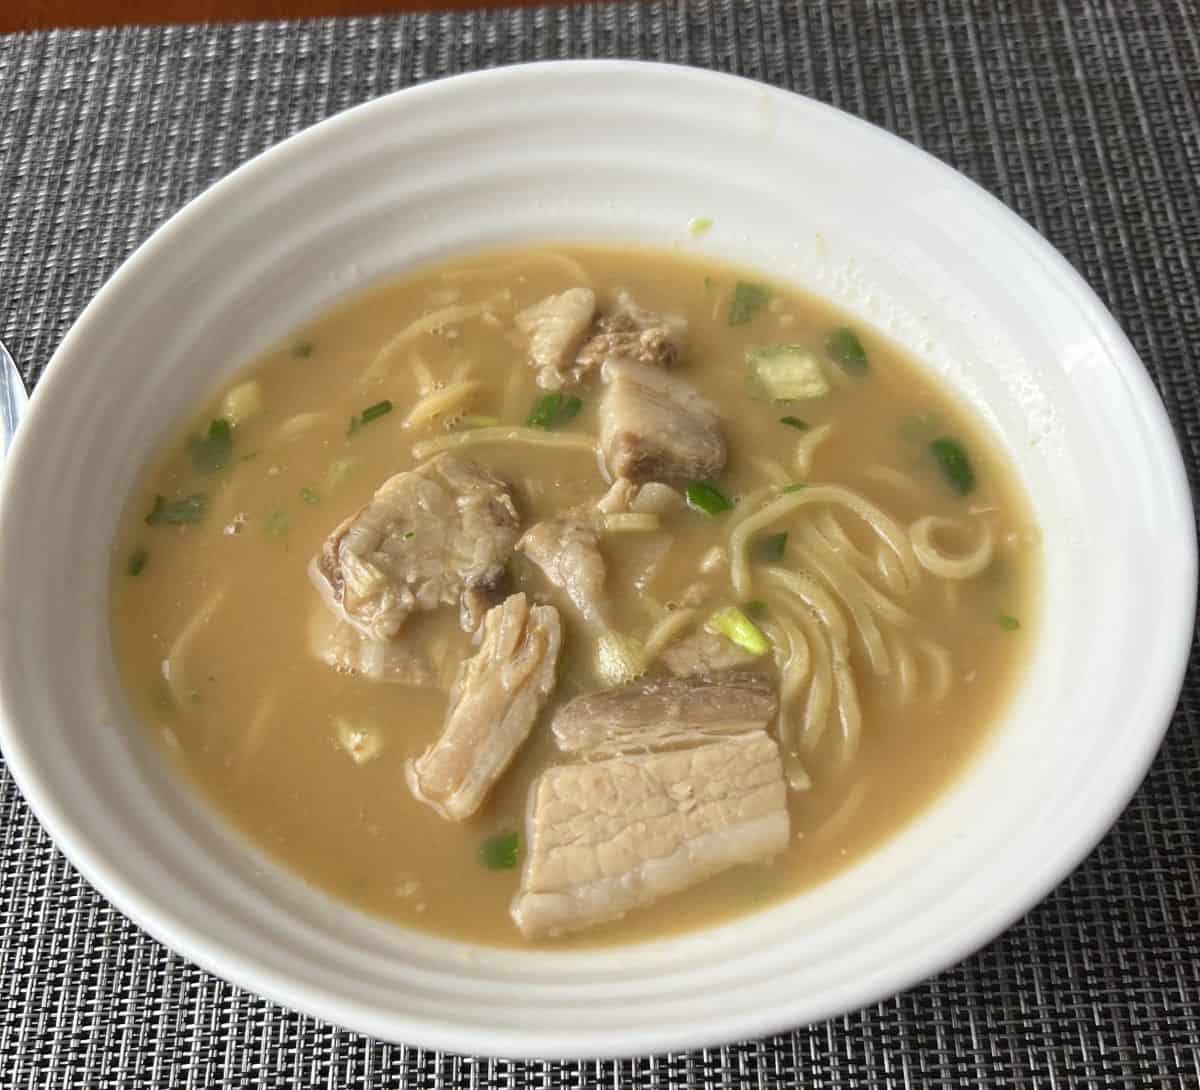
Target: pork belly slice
494,701
437,535
655,427
555,328
605,838
665,713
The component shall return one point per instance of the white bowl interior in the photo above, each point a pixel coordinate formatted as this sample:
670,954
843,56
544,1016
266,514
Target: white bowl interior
606,151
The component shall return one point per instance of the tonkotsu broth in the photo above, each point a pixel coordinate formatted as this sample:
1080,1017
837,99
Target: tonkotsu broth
249,712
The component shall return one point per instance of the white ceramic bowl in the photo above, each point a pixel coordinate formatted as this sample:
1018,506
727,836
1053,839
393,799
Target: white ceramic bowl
615,151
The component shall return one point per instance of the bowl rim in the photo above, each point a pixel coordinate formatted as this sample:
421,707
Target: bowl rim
1076,844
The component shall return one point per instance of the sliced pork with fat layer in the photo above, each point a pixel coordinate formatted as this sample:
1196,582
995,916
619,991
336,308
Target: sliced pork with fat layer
655,427
665,713
611,836
495,699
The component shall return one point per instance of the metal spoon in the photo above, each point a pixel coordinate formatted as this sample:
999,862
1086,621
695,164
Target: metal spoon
13,399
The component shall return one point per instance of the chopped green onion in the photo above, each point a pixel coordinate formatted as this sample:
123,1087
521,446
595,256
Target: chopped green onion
470,421
553,410
748,299
303,350
769,548
755,608
847,351
408,535
709,283
706,498
371,412
180,512
794,422
784,372
212,451
309,496
736,627
699,226
790,488
137,561
952,457
276,523
1008,623
501,852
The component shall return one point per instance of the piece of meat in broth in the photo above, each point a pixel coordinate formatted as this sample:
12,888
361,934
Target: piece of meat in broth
555,328
339,644
495,699
705,652
632,333
665,713
607,837
567,550
437,535
655,427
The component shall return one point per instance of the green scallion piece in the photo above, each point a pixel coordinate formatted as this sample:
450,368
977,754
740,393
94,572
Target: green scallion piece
769,548
790,488
213,450
748,299
309,496
302,350
1007,622
180,512
847,351
501,852
371,412
756,607
706,498
736,627
951,457
794,422
137,561
553,411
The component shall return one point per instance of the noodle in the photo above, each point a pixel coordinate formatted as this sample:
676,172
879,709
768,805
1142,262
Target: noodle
295,426
528,436
905,672
666,631
255,735
891,476
173,665
773,471
806,447
827,568
946,565
896,539
943,669
874,600
426,383
625,523
441,402
418,327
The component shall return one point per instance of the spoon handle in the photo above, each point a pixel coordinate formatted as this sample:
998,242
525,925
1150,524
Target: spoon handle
13,399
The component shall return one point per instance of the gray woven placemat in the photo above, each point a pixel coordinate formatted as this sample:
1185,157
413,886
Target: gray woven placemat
1085,119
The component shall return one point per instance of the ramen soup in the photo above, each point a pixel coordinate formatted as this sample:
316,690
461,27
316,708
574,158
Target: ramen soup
575,596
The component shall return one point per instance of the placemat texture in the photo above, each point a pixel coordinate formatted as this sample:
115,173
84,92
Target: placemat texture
1082,117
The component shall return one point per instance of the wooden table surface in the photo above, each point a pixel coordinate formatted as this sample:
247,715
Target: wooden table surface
36,14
